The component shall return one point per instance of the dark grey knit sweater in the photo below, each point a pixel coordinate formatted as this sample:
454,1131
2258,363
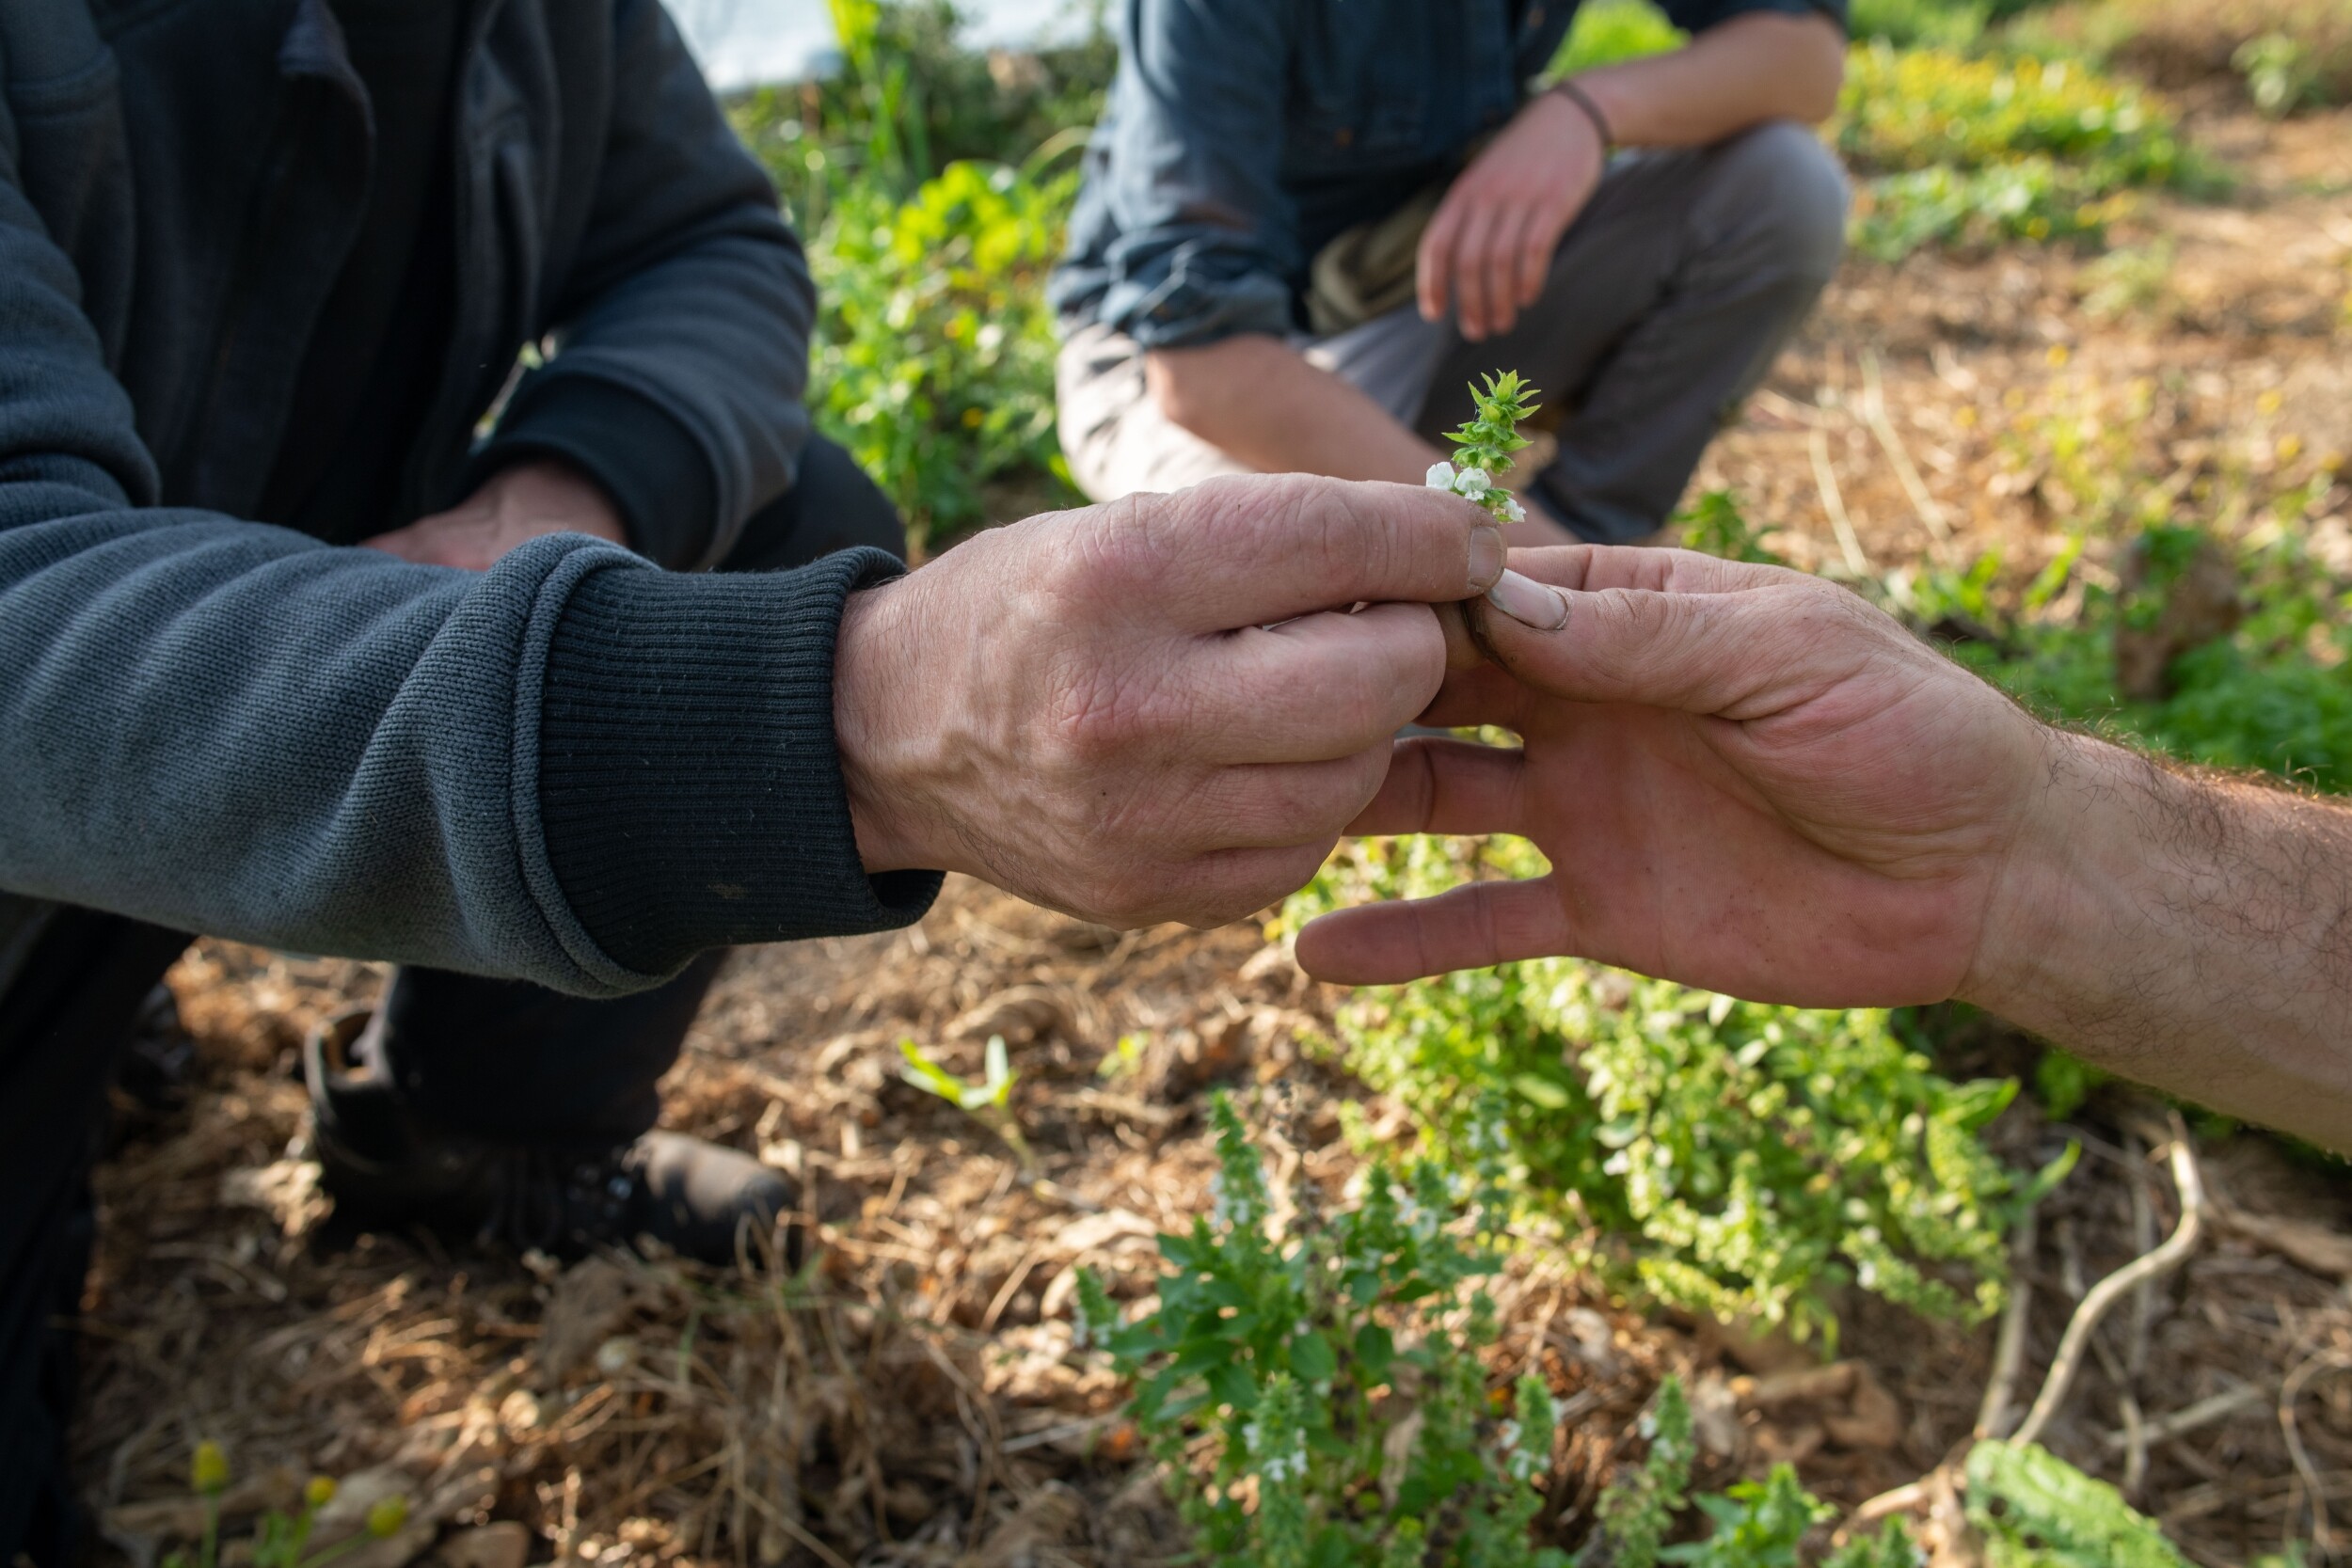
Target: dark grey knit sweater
576,769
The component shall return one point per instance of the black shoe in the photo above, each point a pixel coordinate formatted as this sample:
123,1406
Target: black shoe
386,1170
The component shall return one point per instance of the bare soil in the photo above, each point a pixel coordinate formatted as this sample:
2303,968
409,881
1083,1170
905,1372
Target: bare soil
914,1401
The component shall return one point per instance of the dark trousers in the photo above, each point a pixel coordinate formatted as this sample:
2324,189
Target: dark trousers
496,1058
1668,300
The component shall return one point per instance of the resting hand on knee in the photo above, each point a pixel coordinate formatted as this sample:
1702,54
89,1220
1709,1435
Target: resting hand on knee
512,507
1487,251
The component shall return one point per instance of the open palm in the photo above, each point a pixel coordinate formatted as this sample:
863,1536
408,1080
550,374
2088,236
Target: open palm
1745,779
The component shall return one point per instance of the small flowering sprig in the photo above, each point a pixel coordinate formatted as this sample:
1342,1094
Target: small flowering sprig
1487,443
279,1539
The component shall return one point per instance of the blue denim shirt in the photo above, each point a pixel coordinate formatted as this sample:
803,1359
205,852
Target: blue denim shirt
1242,136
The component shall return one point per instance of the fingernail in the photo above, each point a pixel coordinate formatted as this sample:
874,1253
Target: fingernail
1488,554
1528,602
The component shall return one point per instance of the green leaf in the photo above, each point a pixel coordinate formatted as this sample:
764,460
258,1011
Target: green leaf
1232,1384
1975,1103
1312,1359
2036,1511
1375,1349
1195,1356
1541,1091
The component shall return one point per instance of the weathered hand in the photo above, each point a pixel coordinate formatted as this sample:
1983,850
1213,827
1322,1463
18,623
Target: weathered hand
514,505
1489,249
1745,779
1155,709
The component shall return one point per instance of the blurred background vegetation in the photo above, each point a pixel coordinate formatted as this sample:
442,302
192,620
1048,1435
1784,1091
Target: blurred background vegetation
931,179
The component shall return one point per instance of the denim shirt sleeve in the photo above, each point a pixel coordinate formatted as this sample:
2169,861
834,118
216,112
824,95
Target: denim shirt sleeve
1188,163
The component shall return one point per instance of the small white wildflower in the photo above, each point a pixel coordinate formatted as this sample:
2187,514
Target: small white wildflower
1473,482
1507,1434
1512,509
1439,477
1284,1466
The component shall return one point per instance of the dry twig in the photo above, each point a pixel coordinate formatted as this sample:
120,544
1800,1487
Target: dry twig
2009,1350
2189,1179
1873,409
1835,504
2314,1490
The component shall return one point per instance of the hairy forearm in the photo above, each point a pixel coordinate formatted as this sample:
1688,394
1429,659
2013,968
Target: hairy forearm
2191,931
1256,399
1752,69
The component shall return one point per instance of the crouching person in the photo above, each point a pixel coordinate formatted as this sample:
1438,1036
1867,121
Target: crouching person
1307,225
293,652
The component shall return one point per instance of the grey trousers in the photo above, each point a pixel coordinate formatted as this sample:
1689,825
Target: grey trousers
1669,297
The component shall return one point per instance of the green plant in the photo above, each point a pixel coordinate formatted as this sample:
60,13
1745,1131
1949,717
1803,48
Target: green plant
1488,442
1733,1158
1915,23
1606,31
935,364
1757,1524
909,98
1315,1391
1754,1523
2271,695
1715,524
2128,281
2036,1511
279,1539
1962,150
2281,73
989,1101
1636,1511
2063,1081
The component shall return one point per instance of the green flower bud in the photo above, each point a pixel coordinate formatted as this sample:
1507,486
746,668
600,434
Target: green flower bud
387,1517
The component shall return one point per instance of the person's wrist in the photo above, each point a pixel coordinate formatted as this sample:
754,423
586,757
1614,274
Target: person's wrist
549,495
879,743
1578,99
2064,890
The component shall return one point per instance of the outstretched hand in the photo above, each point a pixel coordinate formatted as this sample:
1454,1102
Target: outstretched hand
1746,779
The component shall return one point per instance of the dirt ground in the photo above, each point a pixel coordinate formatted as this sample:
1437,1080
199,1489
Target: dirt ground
914,1401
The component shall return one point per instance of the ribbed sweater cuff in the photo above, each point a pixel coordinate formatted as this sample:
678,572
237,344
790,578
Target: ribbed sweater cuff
690,787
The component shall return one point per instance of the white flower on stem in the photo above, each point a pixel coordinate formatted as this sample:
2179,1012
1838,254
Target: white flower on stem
1512,509
1439,477
1473,482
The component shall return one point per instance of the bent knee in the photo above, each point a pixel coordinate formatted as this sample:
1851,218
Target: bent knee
1791,196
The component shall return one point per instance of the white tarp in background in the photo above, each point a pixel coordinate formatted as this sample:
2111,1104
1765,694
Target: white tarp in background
742,43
